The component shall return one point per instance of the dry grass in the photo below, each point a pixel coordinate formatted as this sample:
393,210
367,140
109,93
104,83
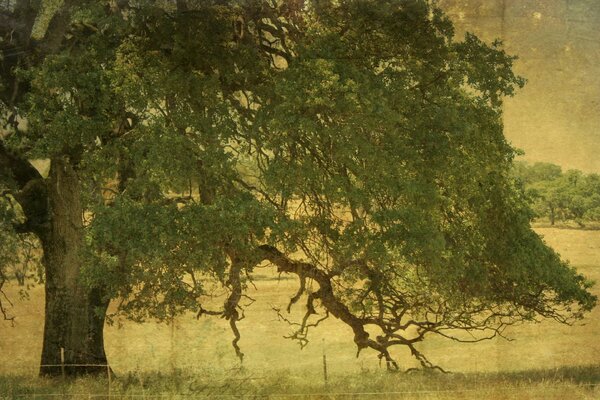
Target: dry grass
277,365
563,383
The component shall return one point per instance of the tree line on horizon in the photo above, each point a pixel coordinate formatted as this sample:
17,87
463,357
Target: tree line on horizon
560,196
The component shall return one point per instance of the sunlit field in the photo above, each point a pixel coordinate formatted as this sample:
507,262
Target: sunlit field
202,347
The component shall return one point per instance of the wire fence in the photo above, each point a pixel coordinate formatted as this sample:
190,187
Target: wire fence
63,369
513,392
241,388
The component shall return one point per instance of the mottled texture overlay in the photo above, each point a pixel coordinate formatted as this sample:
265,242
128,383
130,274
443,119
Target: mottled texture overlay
556,117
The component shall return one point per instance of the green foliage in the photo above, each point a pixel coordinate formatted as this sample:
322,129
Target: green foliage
356,137
8,237
568,196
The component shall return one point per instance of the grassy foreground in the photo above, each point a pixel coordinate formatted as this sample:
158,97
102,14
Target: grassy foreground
194,358
562,383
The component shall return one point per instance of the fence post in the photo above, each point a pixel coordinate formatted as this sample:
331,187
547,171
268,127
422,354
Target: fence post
325,368
62,362
109,377
324,362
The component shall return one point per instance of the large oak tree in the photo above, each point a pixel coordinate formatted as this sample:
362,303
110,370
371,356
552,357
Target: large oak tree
355,144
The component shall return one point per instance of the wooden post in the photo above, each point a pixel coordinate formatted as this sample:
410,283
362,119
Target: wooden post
109,377
62,362
325,368
172,340
324,361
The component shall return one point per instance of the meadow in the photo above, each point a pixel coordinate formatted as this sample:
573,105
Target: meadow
194,356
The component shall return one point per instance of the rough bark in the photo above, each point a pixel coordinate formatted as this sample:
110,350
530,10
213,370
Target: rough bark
74,313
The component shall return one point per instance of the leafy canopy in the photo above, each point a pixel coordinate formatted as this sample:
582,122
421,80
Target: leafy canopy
355,144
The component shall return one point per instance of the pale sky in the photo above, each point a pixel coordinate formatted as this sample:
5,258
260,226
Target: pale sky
556,117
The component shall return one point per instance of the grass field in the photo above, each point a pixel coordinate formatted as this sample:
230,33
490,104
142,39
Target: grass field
546,359
563,383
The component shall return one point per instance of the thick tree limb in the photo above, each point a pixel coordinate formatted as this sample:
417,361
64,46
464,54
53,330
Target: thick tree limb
327,297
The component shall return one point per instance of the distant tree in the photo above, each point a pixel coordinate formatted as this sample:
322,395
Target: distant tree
571,195
541,182
539,171
551,198
592,198
353,144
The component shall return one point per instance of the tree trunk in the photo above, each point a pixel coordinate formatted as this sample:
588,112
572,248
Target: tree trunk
74,313
551,216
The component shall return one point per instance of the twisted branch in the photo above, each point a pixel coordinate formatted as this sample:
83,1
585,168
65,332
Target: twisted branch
328,299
